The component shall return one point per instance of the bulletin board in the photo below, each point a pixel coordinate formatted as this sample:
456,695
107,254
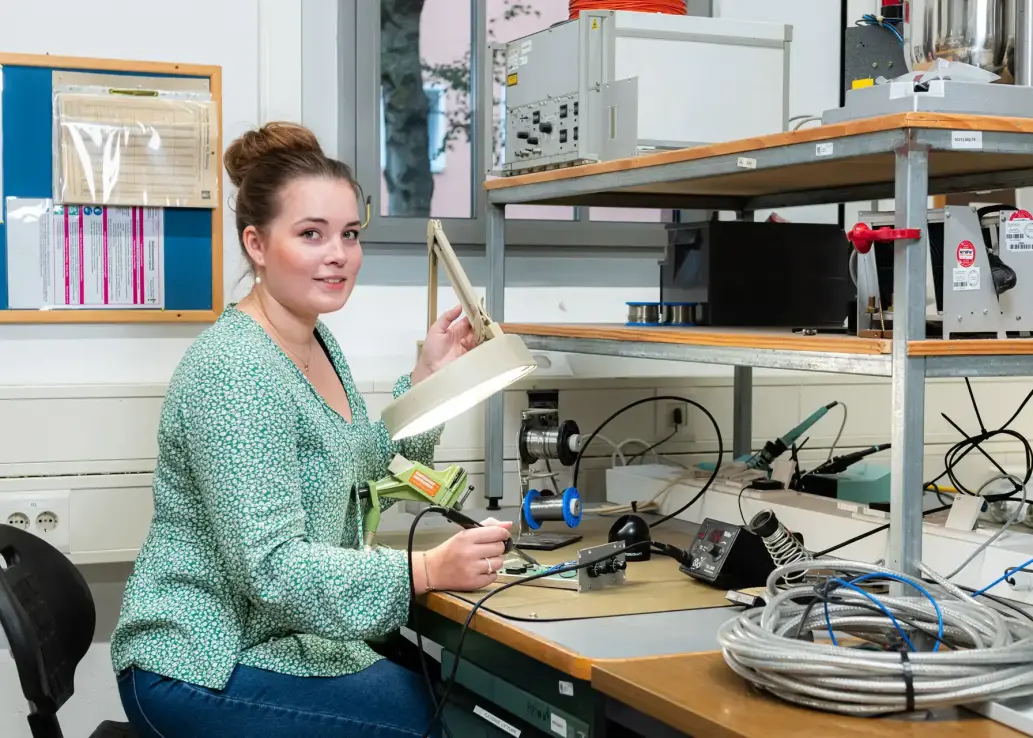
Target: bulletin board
191,256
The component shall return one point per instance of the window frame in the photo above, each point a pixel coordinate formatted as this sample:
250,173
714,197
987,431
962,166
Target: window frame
360,98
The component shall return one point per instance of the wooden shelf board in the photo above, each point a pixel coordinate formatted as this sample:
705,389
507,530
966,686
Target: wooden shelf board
745,338
865,169
972,347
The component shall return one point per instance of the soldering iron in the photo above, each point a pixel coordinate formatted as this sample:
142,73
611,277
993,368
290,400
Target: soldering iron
842,463
773,449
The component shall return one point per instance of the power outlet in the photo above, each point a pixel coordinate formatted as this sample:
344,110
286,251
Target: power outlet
44,514
674,417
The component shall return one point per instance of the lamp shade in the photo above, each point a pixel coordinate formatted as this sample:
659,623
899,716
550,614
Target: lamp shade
482,371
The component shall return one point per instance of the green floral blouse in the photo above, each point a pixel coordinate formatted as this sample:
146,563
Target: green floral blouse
254,554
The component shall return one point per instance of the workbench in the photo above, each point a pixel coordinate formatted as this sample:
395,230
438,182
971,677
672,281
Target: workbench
657,673
907,156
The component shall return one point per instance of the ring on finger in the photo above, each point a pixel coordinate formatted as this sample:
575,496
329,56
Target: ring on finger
491,569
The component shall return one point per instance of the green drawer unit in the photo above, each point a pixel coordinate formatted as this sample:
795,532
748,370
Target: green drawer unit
544,715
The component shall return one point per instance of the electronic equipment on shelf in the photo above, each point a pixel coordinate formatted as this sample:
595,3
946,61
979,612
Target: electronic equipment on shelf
978,272
751,274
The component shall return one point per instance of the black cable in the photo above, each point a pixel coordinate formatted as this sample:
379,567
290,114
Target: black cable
872,532
741,515
953,457
492,593
414,611
647,449
658,398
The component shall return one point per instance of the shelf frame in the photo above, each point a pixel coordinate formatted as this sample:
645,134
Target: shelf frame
907,157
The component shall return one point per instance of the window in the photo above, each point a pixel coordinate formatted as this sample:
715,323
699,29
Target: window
412,83
425,46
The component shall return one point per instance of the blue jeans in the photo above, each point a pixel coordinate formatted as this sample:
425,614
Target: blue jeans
384,701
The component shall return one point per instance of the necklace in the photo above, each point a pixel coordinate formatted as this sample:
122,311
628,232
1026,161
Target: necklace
304,362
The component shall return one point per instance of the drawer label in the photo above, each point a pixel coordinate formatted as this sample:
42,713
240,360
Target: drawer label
496,721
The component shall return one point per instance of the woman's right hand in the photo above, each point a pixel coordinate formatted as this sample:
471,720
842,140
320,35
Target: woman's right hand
462,562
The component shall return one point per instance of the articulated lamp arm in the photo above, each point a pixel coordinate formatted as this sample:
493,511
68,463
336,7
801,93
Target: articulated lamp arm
439,249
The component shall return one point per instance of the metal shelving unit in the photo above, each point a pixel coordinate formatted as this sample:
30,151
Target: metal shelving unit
906,157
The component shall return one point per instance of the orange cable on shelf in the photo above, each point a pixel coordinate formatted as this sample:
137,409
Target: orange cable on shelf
668,7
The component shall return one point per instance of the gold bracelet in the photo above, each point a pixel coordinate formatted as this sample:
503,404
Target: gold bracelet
426,572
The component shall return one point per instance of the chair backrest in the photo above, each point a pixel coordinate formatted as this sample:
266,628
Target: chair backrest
47,613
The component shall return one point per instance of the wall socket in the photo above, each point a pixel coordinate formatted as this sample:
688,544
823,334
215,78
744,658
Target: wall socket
675,416
44,514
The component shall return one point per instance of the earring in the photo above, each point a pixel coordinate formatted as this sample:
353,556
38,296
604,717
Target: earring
258,279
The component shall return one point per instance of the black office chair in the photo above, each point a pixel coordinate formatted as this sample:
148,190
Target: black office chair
47,613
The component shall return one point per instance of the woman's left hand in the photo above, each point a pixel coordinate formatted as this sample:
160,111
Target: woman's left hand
446,341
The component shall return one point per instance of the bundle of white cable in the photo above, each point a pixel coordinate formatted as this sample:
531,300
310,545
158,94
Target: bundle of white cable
992,657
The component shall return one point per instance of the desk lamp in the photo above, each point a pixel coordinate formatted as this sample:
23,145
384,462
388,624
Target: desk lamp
493,364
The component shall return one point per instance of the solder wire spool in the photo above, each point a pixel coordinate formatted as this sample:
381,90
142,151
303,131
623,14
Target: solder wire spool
549,443
540,508
679,313
643,313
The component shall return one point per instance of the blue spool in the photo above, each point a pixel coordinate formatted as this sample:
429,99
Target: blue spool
538,509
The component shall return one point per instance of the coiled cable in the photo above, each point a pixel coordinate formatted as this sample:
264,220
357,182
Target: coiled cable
989,653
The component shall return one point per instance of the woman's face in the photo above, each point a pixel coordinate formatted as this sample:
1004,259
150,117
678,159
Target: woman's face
309,256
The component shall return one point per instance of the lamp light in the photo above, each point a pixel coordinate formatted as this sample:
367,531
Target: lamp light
497,361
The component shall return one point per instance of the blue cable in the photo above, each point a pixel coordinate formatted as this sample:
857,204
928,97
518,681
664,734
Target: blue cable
1001,578
920,588
877,603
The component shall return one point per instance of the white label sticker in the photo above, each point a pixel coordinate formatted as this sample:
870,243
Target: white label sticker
558,725
523,60
824,149
567,689
1018,235
497,722
746,162
966,139
512,64
525,47
966,279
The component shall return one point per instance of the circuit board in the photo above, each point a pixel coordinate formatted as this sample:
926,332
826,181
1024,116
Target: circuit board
598,567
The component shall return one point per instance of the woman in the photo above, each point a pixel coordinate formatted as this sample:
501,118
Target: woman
252,580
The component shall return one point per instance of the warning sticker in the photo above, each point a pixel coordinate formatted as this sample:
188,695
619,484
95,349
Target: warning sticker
966,279
511,80
425,484
966,254
1020,215
1018,235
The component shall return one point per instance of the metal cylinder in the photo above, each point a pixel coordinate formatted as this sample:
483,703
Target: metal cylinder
553,507
680,313
643,313
543,443
983,33
537,508
1023,43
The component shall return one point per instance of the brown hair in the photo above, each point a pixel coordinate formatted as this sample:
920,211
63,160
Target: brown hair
261,163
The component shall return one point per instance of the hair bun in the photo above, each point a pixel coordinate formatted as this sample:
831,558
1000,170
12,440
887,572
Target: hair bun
276,137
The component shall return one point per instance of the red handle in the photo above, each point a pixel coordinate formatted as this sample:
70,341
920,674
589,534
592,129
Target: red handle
862,237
